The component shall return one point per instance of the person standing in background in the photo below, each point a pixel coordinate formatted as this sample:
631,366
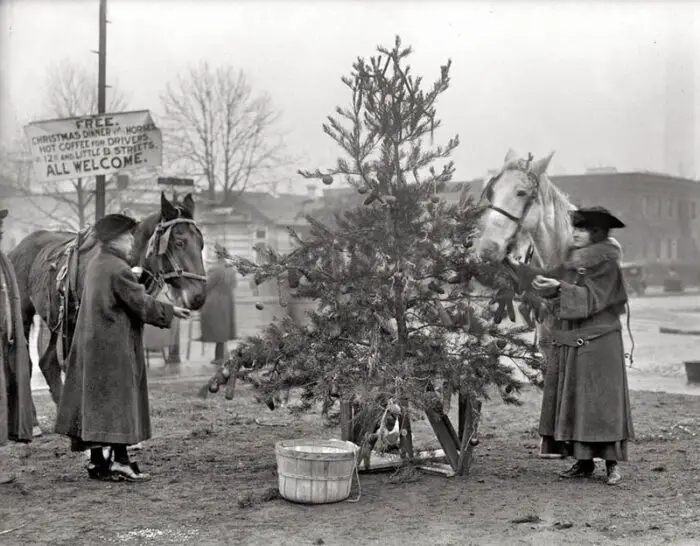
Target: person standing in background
218,316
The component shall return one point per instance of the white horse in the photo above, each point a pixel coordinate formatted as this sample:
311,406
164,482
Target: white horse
526,214
525,208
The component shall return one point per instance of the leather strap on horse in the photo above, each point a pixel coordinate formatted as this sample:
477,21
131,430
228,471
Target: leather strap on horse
158,244
525,167
67,287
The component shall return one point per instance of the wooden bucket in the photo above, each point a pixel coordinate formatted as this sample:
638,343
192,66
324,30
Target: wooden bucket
315,471
692,370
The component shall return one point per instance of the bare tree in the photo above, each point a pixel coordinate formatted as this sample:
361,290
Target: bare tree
16,176
217,128
71,91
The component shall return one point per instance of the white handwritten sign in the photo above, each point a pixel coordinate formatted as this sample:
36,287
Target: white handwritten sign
88,146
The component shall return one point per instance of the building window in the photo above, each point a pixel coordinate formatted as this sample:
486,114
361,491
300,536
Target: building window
659,206
645,205
260,234
693,210
674,249
670,208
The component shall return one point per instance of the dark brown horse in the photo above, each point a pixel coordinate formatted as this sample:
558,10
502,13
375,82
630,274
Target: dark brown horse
50,268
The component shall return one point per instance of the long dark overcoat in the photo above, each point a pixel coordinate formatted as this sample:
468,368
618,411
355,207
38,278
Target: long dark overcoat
586,396
218,315
105,397
16,415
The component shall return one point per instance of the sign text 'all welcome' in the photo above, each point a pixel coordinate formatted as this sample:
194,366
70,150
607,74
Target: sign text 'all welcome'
69,148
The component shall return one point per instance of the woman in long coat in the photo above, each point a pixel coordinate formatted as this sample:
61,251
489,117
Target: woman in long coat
105,397
218,315
586,407
16,408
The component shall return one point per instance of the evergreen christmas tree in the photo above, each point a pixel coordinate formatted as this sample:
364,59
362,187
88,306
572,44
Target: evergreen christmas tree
395,328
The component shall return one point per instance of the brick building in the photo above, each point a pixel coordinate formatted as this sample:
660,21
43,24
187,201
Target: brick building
661,211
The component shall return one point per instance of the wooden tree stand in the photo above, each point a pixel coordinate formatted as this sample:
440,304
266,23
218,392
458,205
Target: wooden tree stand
457,447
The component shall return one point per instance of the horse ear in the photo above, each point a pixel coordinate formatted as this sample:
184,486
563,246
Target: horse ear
3,214
188,202
167,211
510,156
539,167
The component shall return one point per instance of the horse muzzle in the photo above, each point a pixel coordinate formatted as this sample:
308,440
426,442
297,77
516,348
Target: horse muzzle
193,293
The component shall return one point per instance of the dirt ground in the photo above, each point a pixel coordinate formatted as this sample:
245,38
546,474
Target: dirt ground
215,472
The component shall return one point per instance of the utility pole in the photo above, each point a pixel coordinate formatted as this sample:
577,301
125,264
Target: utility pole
101,96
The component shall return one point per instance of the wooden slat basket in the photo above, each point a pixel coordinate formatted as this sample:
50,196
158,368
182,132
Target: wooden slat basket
315,471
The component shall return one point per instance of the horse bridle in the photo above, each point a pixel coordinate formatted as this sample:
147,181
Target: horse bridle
531,198
158,245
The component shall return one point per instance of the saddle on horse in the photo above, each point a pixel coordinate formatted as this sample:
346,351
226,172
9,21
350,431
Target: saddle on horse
68,263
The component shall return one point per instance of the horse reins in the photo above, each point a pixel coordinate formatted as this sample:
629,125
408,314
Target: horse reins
158,245
531,198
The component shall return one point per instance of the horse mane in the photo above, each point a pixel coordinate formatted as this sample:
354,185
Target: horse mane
142,235
556,209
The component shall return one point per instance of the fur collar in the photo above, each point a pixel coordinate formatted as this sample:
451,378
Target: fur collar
592,255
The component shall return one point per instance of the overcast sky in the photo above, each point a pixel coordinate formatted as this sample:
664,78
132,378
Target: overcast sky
586,80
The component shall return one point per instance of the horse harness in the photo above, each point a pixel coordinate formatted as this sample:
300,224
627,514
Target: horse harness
67,278
158,246
531,198
67,288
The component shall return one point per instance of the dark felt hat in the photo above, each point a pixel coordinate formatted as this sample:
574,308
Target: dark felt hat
112,226
595,217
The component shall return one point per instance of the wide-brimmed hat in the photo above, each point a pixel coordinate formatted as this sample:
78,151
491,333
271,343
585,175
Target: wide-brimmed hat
595,217
112,226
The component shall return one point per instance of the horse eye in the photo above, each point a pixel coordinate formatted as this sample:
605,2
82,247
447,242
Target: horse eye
179,243
521,193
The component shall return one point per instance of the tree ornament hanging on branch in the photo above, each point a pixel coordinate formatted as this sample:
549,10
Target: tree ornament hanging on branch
389,270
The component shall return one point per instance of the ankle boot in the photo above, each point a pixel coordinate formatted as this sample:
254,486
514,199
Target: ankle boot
580,469
613,472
